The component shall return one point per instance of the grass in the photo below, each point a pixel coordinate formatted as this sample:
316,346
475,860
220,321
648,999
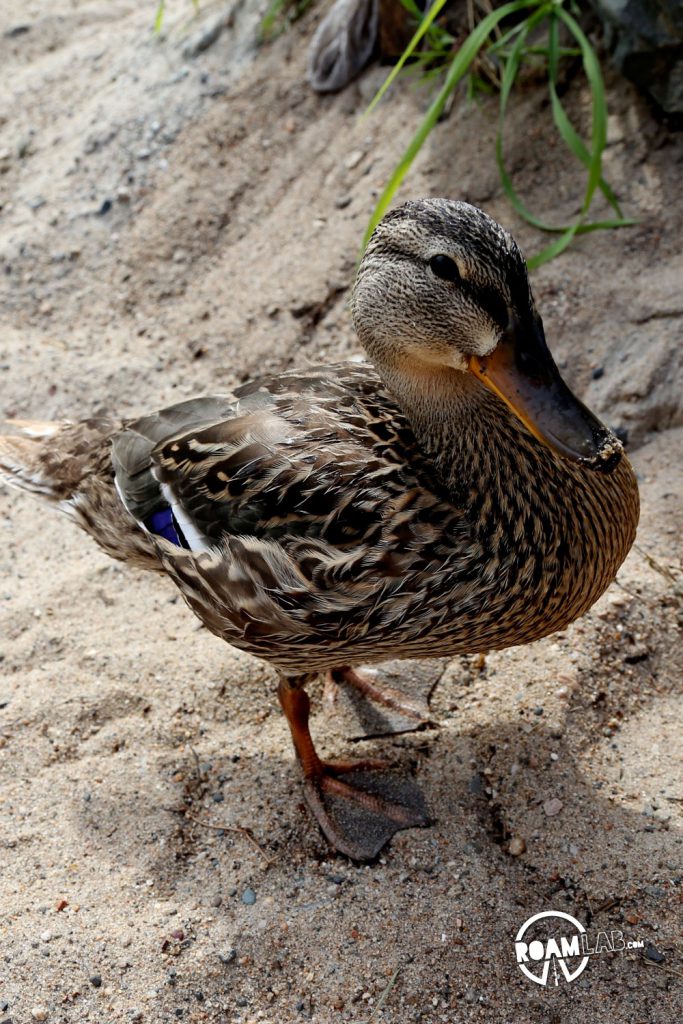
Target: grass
493,42
280,14
161,11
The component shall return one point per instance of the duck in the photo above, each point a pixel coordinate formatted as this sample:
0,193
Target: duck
448,495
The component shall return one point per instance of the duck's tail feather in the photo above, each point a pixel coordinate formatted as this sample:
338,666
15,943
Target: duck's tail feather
69,466
22,457
49,459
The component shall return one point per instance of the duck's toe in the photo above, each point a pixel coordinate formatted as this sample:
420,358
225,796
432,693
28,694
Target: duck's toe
386,699
361,805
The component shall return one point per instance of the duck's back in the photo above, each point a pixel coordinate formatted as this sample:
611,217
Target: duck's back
322,455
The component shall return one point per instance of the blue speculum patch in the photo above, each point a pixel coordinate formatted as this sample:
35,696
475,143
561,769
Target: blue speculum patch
163,524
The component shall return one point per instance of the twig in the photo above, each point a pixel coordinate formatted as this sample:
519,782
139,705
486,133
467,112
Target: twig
197,768
663,570
661,967
239,829
608,904
631,593
385,994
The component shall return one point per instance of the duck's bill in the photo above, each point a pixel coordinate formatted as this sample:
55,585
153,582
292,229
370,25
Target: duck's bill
523,373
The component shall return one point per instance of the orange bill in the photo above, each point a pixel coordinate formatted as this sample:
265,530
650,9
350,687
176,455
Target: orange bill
522,372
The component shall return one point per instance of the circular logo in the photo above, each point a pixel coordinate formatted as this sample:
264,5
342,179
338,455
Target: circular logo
536,949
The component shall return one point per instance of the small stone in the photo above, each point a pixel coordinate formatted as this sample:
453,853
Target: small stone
45,936
217,900
249,897
353,159
476,784
104,208
39,1013
654,954
598,372
96,980
552,807
341,202
517,846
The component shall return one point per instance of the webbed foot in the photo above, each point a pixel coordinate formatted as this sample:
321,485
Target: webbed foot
386,699
359,805
360,811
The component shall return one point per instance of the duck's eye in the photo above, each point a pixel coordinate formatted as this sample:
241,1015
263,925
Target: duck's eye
445,267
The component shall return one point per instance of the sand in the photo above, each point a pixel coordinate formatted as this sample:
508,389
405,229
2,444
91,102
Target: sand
171,224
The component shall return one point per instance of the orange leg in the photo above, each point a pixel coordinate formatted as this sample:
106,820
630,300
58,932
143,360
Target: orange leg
365,682
357,816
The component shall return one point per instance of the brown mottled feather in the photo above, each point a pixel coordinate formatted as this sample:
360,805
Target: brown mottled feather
348,515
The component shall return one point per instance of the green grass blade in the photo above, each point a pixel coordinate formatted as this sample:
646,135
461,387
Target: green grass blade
565,128
458,69
159,16
561,243
554,249
269,18
511,67
599,105
422,28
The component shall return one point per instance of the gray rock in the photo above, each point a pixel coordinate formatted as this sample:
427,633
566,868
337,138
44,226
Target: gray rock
645,38
343,44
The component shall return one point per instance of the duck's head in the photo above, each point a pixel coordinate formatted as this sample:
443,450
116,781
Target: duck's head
443,288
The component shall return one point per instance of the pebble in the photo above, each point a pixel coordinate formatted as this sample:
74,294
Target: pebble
95,980
353,159
249,897
552,807
39,1013
476,784
654,954
45,936
517,846
104,208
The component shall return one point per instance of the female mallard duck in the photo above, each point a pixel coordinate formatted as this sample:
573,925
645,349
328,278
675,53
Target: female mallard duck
454,497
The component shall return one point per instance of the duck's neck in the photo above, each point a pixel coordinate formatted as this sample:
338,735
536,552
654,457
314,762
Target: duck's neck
559,526
445,408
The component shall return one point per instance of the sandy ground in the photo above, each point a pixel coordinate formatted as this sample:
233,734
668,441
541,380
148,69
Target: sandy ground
172,221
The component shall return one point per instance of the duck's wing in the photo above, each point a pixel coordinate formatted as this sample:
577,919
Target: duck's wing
315,455
301,512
